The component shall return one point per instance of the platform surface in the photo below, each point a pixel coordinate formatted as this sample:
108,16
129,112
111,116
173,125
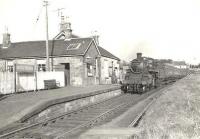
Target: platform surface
15,107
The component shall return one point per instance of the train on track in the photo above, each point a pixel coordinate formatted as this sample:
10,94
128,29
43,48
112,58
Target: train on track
145,73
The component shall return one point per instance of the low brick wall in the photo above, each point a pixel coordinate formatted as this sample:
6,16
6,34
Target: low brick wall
72,105
111,133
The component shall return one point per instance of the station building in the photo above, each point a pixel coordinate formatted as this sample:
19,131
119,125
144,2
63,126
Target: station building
180,64
83,61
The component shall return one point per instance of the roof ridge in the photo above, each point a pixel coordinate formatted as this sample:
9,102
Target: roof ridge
28,41
49,40
81,38
110,54
33,41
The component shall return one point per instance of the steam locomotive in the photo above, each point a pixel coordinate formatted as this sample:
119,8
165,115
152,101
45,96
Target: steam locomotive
145,73
141,75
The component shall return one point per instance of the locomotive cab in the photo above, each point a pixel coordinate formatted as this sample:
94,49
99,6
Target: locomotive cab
155,81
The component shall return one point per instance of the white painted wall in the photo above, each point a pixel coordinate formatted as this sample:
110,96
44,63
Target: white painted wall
57,75
27,82
181,66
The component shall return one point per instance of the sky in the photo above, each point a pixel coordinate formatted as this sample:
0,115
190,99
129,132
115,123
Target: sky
167,29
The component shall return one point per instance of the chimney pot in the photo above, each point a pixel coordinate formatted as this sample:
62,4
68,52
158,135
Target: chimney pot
6,40
62,19
65,26
96,37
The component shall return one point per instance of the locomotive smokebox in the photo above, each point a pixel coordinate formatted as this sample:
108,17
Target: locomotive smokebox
139,56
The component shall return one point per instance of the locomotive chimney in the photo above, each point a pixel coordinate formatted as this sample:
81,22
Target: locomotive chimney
139,56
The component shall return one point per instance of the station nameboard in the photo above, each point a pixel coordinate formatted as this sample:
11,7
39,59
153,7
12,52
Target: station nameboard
24,68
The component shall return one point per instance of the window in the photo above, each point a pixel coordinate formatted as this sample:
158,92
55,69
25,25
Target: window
73,46
89,69
96,68
110,71
10,68
106,68
41,67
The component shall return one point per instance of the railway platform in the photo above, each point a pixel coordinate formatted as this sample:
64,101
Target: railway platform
17,106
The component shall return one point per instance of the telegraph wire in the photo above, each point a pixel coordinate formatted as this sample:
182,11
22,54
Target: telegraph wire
38,17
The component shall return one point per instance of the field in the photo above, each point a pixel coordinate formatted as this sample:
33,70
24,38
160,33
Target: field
176,114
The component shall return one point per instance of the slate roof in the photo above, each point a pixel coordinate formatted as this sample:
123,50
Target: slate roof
38,48
179,63
105,53
56,48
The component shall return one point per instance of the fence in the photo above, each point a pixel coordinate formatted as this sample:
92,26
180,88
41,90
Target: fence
7,83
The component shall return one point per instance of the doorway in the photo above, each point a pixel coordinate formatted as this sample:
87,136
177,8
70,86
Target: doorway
67,73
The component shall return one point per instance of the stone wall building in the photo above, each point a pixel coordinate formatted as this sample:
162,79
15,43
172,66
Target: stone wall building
82,59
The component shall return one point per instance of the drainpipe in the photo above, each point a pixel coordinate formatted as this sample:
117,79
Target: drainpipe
99,67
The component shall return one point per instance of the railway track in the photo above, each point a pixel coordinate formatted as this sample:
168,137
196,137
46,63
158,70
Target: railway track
136,121
64,126
68,124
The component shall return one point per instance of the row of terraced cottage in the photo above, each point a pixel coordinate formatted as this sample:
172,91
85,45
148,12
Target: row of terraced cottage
80,60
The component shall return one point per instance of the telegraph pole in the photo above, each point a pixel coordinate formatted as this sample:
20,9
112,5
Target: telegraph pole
59,10
47,37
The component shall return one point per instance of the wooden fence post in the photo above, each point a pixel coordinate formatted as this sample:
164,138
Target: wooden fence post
35,73
15,76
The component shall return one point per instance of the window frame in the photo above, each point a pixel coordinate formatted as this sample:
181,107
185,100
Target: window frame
10,68
90,70
41,67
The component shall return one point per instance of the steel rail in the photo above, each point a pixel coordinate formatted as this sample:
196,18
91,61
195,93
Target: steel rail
141,114
89,122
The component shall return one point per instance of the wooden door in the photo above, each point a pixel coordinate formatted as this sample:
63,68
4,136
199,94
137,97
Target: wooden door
67,74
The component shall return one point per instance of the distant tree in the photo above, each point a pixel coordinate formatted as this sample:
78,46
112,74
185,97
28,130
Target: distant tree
124,63
163,61
199,65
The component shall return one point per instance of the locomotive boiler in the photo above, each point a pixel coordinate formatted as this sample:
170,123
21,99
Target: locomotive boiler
141,75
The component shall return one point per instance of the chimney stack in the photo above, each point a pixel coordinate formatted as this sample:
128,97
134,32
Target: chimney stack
65,26
6,40
96,37
139,56
62,19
